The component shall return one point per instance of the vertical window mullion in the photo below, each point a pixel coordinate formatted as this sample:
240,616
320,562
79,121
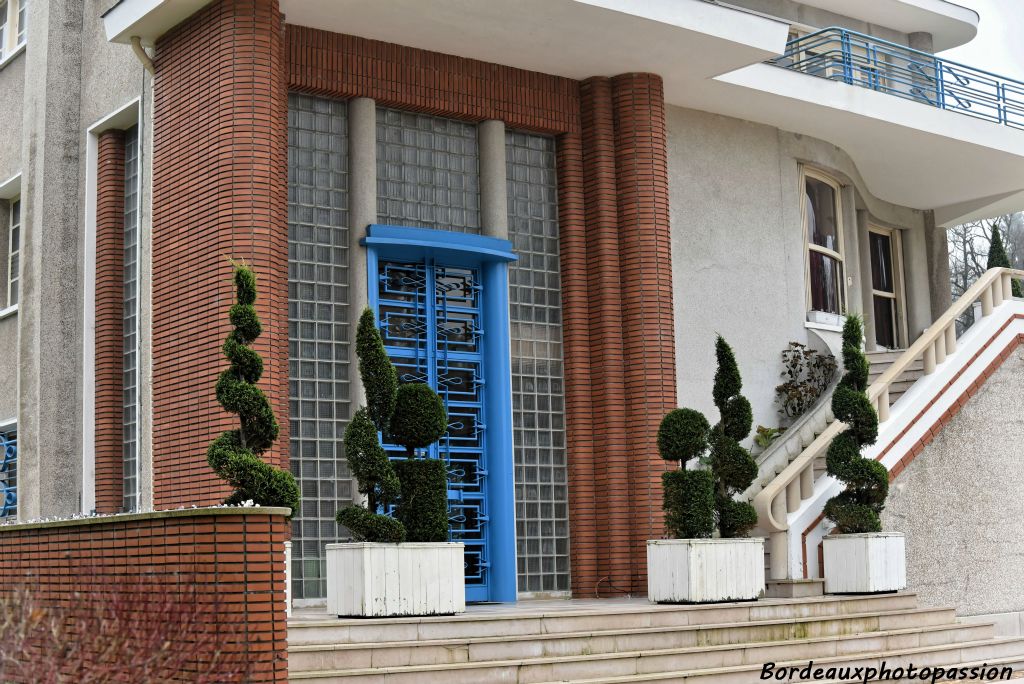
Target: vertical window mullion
22,22
14,254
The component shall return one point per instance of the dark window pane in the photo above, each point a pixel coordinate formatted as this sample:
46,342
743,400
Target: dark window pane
885,322
825,283
822,225
881,262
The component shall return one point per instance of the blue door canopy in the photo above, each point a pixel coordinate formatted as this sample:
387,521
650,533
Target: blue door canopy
441,299
459,249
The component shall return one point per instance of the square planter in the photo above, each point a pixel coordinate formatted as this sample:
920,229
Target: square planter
366,579
865,563
704,570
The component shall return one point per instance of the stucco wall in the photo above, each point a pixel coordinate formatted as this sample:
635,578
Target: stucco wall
12,85
738,249
800,13
959,503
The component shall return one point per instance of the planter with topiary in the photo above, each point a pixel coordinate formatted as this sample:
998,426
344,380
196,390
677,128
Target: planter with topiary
401,562
859,557
700,498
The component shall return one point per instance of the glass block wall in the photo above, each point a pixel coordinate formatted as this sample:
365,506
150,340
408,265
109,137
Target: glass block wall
130,359
428,172
542,508
318,335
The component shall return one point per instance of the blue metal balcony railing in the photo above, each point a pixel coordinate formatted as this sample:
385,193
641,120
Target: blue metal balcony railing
857,59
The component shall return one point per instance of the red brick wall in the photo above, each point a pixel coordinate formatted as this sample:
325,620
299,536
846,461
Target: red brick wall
109,321
233,560
219,192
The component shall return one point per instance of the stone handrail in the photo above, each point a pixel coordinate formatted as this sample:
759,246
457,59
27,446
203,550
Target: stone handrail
784,494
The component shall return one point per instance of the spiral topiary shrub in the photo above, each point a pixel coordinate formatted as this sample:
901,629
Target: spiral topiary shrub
695,499
412,416
857,508
235,454
733,467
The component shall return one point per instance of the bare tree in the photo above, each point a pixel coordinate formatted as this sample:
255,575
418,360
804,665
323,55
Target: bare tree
968,253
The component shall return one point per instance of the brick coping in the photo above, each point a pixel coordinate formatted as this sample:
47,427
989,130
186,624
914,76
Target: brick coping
149,515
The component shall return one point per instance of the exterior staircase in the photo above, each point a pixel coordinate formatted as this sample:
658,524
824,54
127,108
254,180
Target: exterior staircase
882,361
610,641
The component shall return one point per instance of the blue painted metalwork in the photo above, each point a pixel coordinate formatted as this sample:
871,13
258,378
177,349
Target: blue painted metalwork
441,299
839,54
8,474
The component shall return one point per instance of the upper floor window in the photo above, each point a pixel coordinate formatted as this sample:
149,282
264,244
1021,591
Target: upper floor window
14,253
823,228
13,25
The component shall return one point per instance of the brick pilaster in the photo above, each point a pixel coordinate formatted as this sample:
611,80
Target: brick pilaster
219,191
109,355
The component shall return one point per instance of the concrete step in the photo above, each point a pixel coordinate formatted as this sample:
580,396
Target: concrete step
1000,651
481,649
655,664
796,588
601,615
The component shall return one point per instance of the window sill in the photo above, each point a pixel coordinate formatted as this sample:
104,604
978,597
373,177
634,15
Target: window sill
8,312
11,57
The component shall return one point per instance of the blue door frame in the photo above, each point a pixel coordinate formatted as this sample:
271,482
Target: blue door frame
454,311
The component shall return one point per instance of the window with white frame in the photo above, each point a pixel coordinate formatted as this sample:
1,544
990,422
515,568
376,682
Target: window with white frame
823,231
13,26
14,253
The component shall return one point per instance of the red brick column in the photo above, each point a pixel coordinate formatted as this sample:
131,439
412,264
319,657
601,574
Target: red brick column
219,191
648,325
619,326
109,358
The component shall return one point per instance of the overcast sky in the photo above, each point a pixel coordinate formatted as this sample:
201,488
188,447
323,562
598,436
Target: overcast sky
998,47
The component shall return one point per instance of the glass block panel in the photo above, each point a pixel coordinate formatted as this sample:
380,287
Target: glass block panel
318,330
428,172
542,490
130,358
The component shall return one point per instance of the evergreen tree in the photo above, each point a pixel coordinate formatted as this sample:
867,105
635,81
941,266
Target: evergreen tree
235,455
997,257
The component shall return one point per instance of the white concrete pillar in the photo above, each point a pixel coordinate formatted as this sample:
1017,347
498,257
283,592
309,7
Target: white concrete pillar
362,173
851,251
493,189
864,248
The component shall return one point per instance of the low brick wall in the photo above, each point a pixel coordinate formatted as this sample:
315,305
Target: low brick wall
213,578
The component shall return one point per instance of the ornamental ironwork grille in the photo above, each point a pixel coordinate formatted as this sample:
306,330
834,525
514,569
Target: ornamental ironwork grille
8,474
430,318
318,337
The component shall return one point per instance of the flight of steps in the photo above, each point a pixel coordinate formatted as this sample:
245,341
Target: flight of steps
603,642
880,362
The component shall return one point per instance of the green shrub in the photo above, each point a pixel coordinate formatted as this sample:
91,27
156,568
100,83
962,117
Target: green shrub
423,507
684,434
410,415
235,454
419,419
858,507
689,503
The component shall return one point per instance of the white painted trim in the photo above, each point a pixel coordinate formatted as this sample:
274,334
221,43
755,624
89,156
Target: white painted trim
13,55
11,187
8,423
9,311
147,19
126,116
822,326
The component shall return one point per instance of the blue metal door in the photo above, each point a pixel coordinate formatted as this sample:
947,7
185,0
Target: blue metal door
431,321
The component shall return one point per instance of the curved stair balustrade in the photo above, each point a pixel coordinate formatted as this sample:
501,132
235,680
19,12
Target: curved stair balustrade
787,492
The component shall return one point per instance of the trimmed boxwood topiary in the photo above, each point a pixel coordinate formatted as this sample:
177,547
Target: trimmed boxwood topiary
412,416
695,499
858,507
235,454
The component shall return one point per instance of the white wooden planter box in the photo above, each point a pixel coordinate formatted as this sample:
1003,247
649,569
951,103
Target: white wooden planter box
366,579
865,563
705,570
